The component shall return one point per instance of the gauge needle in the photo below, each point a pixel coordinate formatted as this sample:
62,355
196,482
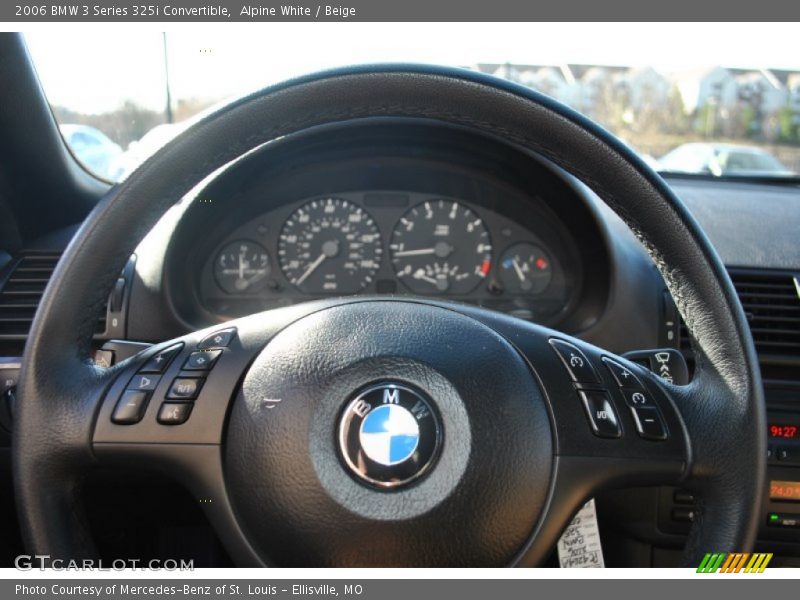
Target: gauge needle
517,268
421,252
311,268
257,277
241,266
441,249
420,274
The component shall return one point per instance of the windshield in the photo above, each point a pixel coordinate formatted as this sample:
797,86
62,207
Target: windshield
690,98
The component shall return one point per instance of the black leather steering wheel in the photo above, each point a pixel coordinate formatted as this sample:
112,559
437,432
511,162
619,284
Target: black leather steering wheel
269,440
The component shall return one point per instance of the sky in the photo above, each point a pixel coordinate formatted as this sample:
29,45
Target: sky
95,69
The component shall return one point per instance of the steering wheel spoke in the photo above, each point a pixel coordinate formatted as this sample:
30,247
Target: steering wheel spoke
165,410
615,424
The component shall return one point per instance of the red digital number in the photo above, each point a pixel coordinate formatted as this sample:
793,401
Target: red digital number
783,431
784,490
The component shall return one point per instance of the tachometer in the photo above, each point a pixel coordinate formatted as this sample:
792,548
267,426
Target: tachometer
329,246
242,267
441,246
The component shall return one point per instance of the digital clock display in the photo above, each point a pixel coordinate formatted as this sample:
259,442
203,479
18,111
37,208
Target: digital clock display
787,491
784,431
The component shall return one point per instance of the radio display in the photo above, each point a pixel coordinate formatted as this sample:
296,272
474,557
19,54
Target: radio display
786,491
784,431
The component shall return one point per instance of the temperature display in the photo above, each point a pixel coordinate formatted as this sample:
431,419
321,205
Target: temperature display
785,432
788,491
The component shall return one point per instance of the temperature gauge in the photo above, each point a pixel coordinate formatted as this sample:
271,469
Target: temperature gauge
525,269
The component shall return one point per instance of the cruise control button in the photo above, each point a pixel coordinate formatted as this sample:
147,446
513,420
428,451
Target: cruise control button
201,361
185,388
218,339
578,366
636,398
160,362
649,423
600,412
622,375
144,382
130,408
174,413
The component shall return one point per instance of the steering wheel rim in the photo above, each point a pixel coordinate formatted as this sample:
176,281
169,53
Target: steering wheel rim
60,391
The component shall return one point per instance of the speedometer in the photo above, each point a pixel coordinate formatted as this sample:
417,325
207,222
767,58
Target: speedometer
329,246
441,246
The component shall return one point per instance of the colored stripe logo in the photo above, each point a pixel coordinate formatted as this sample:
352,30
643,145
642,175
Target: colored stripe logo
736,562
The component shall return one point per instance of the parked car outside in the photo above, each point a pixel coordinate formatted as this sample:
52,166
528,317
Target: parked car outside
722,160
92,148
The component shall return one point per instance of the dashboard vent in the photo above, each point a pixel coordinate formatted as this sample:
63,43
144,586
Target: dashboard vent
22,291
771,302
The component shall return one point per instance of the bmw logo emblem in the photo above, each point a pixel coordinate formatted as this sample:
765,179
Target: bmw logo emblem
389,435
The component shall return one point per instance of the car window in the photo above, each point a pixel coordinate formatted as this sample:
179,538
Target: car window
750,161
682,107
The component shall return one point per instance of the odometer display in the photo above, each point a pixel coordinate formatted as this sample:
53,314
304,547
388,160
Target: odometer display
329,246
783,431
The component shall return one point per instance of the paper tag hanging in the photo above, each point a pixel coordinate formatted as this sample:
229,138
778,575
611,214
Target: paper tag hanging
579,545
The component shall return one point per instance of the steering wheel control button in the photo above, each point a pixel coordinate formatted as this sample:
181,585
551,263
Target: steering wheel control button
130,407
218,339
667,363
160,362
201,361
622,375
601,414
578,366
389,435
174,413
649,423
144,382
185,388
636,398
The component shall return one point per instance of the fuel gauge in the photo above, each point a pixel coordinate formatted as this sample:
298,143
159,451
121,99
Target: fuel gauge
242,267
525,268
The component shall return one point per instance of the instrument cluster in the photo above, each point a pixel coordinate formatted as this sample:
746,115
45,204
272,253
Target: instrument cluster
386,242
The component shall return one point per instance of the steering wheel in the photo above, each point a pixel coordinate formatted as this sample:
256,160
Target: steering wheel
381,430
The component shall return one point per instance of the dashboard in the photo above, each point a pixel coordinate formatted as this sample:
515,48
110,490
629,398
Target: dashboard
379,212
386,242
